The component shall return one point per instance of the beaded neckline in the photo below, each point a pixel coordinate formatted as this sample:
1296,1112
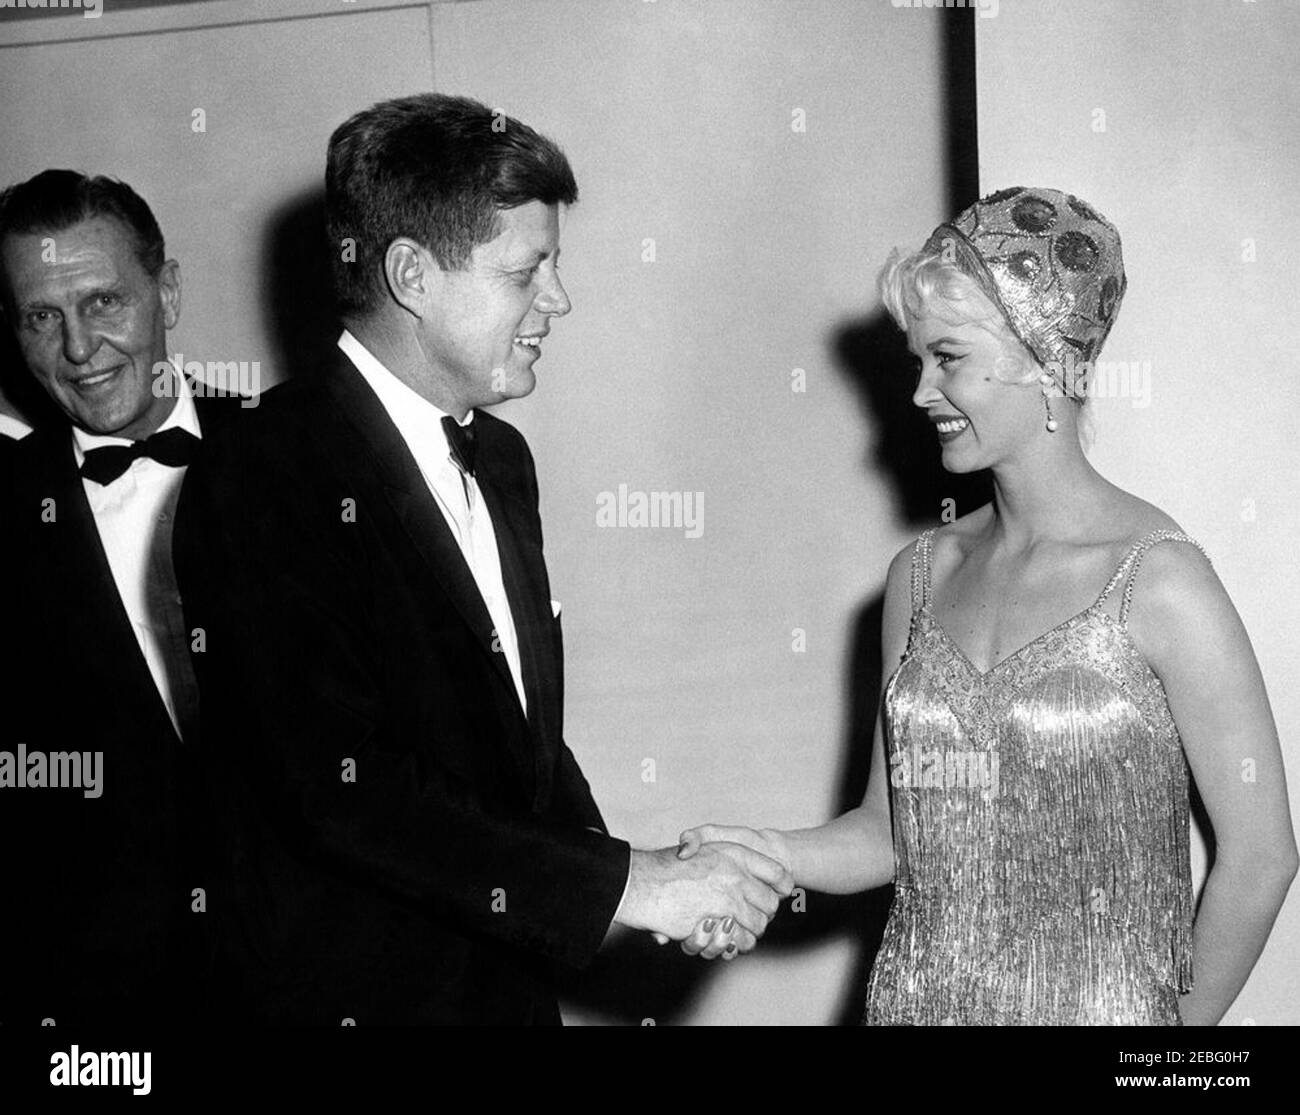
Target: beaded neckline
1017,654
1129,564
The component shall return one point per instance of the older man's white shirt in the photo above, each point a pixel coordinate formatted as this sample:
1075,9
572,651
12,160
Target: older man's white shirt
135,515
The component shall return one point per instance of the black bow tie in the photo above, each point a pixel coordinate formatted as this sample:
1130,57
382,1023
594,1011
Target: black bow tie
174,447
464,446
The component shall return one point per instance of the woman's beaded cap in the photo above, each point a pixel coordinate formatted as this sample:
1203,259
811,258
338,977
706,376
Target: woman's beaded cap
1052,264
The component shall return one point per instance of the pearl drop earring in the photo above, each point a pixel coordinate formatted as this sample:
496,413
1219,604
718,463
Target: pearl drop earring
1046,380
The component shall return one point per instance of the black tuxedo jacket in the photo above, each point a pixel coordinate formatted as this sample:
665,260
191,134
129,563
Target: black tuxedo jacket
98,900
403,844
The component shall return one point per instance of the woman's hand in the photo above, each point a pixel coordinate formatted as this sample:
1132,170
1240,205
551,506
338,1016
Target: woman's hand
768,842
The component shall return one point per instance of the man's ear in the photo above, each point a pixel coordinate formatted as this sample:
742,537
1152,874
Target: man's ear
412,274
169,290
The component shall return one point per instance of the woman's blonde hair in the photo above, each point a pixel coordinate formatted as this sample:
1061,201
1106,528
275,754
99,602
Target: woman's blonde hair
927,283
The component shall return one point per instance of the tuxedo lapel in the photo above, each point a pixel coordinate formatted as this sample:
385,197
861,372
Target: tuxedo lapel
78,583
524,575
413,505
215,410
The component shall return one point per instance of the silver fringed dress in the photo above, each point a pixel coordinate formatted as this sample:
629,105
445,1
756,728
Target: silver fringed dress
1040,828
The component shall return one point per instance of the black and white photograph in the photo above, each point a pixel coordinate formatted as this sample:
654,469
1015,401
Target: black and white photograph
765,514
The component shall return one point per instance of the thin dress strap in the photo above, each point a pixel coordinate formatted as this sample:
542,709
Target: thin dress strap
921,571
1132,562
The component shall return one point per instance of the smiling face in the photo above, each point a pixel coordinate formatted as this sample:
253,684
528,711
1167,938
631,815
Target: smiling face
976,384
92,323
481,327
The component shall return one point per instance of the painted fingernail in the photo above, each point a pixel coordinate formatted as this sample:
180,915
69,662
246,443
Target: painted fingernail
728,925
708,925
730,950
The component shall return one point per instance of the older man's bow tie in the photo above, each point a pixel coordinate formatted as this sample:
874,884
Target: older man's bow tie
174,447
464,445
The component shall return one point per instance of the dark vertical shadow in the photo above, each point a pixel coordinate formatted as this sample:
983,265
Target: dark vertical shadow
872,353
961,119
296,288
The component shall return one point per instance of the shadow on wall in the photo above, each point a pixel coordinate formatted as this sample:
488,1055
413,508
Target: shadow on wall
872,354
296,290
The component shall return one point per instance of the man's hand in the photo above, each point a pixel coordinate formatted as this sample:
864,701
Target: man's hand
714,936
727,883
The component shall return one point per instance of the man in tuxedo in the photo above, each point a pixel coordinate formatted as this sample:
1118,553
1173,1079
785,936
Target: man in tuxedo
409,839
104,888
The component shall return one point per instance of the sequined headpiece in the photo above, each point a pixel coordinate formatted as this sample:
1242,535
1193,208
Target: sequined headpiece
1051,263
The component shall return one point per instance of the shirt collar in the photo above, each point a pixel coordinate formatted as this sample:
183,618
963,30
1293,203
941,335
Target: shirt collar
417,420
183,414
13,427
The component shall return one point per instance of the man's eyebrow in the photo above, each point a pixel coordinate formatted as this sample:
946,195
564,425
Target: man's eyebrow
534,257
106,288
28,307
82,296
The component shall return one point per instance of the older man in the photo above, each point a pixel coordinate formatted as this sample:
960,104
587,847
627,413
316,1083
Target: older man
105,900
409,838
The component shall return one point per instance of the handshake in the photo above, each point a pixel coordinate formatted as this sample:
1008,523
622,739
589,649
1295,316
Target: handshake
714,894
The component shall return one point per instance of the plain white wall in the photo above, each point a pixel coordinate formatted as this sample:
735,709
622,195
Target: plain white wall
1181,122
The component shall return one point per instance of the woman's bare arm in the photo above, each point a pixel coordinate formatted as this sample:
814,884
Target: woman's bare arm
1189,632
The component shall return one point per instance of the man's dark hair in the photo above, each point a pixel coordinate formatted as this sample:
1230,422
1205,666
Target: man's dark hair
434,168
58,199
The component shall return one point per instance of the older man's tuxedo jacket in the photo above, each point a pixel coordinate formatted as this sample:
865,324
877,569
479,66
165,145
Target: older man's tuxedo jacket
402,844
102,900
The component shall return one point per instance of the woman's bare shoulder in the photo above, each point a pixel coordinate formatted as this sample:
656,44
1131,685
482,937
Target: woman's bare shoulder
963,534
1133,518
958,536
1105,532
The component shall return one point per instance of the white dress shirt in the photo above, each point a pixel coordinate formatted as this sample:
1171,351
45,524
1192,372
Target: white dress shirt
134,515
457,495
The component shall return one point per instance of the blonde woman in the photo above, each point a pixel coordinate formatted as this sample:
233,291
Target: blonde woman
1061,661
